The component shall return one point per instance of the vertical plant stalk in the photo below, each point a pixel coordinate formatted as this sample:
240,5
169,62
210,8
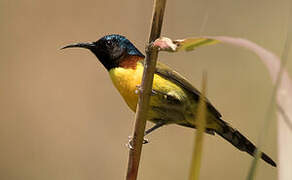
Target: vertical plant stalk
283,129
285,113
201,126
145,91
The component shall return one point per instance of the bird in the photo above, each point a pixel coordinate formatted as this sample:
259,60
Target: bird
173,100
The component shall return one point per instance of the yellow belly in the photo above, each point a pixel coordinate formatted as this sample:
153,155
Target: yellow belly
126,81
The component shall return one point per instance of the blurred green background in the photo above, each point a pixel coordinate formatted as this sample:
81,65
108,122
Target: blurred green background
61,118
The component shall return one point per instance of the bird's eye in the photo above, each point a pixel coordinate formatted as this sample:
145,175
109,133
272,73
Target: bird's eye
108,43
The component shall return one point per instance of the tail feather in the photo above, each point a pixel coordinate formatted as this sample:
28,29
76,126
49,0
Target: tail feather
239,141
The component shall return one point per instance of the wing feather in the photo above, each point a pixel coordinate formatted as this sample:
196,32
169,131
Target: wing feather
171,75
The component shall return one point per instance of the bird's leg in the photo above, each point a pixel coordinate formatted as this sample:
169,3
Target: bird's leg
148,131
156,126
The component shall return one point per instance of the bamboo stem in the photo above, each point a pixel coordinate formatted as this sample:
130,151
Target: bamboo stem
145,91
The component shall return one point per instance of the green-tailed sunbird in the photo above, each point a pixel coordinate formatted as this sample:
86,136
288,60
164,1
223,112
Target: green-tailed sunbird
173,101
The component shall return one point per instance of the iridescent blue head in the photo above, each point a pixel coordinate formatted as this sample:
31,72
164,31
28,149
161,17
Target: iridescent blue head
110,49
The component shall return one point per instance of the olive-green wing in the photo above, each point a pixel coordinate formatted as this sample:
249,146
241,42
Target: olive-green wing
167,73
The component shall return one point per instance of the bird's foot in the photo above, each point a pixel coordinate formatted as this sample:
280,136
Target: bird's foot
139,89
130,142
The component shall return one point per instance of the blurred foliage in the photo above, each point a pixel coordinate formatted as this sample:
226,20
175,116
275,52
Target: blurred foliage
199,138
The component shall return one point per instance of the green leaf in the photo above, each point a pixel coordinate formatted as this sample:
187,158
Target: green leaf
166,44
193,43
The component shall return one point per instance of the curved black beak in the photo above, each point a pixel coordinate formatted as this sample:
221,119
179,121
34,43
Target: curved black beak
80,45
